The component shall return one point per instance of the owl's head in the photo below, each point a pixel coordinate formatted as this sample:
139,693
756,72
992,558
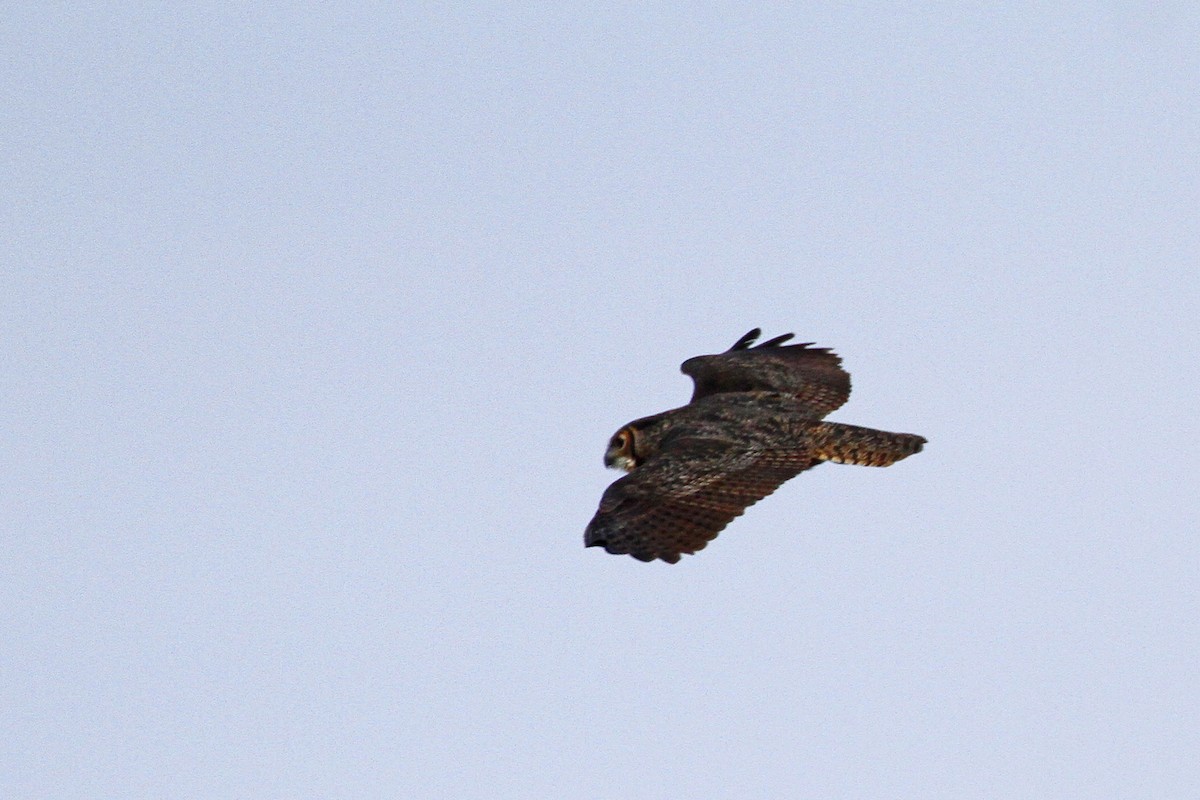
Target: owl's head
639,440
621,450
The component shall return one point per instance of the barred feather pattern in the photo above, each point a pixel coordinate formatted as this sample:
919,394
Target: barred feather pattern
866,447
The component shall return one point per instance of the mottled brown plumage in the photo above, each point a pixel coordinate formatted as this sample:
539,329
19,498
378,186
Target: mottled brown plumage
754,421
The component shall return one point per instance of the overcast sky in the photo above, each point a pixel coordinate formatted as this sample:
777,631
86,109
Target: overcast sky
316,321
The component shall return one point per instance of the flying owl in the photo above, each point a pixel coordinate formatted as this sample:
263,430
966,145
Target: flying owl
754,421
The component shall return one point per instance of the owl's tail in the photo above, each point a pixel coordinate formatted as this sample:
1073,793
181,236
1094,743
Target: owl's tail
850,444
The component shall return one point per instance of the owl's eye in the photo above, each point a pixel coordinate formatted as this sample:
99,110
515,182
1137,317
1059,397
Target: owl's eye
618,440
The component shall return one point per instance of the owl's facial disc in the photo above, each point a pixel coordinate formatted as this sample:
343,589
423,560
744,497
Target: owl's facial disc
620,451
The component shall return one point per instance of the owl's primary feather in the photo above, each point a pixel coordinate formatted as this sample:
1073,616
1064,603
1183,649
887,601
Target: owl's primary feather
812,375
754,421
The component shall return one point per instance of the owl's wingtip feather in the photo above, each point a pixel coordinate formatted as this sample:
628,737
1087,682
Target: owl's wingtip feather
747,339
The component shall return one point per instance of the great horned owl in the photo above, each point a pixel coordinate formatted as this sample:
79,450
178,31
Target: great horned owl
753,422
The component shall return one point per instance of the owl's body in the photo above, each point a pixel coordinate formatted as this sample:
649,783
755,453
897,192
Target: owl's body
755,420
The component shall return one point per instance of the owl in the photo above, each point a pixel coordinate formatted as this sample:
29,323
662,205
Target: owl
754,421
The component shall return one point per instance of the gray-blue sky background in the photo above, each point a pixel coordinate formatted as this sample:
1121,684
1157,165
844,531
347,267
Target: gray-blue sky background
316,322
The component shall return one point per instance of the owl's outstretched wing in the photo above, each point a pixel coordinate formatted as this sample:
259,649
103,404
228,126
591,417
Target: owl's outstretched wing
679,500
812,375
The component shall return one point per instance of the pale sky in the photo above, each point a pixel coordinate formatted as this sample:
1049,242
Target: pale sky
317,320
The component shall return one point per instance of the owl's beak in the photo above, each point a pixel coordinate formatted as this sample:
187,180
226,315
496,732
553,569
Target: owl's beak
619,461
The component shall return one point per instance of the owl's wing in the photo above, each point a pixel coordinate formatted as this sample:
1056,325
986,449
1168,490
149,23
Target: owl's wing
813,375
679,500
